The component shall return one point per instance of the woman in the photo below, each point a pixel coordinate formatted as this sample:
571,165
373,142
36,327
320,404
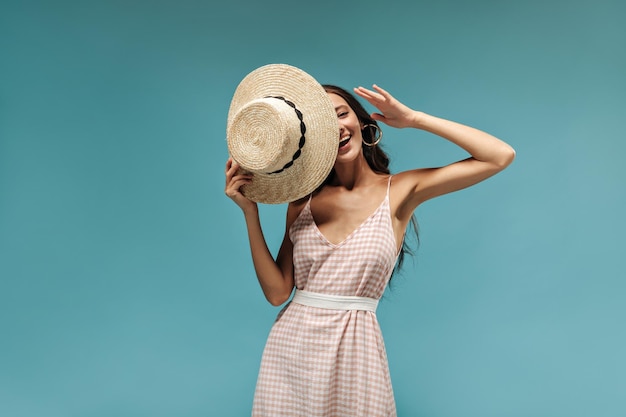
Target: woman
325,356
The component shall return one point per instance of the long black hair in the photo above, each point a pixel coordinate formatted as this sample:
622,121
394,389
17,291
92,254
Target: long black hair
376,158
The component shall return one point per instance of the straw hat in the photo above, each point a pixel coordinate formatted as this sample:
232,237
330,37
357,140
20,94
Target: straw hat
282,128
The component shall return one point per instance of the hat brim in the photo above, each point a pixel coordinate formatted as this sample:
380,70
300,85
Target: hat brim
319,153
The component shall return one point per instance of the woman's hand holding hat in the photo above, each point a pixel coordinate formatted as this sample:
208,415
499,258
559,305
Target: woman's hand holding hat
235,179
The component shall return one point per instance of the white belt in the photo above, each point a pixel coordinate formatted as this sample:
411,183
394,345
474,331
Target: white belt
334,302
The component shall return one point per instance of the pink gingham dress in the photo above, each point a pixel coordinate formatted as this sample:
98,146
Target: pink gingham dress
331,363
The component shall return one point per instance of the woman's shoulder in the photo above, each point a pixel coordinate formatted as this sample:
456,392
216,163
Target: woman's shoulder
295,208
403,188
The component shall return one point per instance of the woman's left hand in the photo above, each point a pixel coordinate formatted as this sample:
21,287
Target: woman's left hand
392,112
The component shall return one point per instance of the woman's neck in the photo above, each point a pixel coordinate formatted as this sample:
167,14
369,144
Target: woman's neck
352,174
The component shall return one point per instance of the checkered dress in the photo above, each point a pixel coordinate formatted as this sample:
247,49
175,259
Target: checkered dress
331,363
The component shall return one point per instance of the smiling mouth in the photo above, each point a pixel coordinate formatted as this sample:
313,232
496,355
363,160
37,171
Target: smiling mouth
344,142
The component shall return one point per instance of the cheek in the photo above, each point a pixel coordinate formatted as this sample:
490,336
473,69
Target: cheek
354,124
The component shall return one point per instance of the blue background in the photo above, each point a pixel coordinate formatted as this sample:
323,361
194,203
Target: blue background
126,286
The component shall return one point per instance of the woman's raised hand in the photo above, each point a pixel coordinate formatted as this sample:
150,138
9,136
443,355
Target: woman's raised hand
391,111
234,181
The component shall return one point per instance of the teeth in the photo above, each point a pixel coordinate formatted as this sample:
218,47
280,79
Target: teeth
344,140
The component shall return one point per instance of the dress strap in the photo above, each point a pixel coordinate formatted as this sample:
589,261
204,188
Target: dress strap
389,185
334,302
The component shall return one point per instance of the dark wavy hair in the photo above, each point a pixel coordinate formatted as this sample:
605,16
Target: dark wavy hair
376,158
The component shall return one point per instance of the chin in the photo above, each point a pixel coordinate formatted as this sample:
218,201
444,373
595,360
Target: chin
351,155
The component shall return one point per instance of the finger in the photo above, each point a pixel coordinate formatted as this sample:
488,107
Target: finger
230,163
244,177
378,117
382,92
235,174
234,187
232,169
237,182
369,95
231,175
375,101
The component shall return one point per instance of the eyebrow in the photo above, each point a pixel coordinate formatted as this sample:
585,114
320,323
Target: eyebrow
340,106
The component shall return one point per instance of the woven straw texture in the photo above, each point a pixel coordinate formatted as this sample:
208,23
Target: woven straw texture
262,138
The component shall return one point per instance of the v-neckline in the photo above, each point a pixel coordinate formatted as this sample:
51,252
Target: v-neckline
352,233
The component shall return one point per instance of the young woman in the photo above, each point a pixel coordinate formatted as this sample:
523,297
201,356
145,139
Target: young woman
325,355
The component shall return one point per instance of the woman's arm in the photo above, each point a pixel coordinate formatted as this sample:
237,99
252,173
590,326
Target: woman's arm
275,276
489,155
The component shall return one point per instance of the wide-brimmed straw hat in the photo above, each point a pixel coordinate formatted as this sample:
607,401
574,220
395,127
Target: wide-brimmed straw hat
282,128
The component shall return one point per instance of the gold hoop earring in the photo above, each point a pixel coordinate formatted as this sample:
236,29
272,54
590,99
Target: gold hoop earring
377,137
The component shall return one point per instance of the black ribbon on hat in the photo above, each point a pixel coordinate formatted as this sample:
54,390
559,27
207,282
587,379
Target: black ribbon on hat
297,153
